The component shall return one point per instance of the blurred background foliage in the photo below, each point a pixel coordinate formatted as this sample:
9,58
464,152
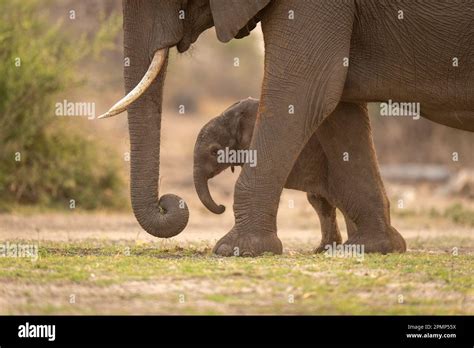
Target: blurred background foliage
44,161
81,60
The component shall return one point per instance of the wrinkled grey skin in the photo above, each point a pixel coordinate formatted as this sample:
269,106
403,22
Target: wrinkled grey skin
406,60
233,129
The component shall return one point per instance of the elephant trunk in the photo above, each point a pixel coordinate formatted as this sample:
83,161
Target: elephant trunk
167,216
201,180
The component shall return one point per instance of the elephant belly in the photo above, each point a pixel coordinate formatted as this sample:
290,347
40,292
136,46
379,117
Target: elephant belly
414,51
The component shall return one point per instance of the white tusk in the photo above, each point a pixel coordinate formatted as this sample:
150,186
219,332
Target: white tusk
152,72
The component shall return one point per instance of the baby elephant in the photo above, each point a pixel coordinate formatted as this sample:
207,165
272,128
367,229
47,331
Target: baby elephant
355,188
233,130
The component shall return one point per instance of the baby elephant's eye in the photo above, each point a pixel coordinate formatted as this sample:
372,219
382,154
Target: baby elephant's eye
214,149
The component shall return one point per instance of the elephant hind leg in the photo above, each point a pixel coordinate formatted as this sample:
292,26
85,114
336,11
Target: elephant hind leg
350,225
347,142
327,216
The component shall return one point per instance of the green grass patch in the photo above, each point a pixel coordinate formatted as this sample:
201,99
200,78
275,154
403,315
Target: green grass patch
118,277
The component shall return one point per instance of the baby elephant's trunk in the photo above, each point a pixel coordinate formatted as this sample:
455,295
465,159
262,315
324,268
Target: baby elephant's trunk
201,180
232,129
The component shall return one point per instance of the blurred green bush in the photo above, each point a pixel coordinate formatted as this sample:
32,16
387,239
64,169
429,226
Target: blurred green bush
42,161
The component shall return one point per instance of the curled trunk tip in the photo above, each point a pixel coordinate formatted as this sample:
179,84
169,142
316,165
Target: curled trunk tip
202,189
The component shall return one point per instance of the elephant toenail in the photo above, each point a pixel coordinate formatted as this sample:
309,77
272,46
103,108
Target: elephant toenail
247,254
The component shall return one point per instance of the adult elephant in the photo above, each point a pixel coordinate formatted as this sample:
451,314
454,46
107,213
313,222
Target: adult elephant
317,54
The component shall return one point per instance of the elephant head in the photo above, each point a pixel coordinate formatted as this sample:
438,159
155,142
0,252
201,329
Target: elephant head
233,130
151,28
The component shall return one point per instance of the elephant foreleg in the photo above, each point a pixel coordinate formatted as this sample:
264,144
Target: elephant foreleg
304,72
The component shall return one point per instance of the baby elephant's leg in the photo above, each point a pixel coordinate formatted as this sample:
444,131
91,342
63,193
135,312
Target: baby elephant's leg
311,175
327,216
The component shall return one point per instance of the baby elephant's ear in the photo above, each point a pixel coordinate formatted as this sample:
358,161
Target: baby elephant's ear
246,127
244,119
232,15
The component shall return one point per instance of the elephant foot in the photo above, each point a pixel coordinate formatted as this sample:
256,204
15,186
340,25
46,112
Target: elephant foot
323,246
392,242
237,243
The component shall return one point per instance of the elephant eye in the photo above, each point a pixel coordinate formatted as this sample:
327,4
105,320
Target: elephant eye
214,150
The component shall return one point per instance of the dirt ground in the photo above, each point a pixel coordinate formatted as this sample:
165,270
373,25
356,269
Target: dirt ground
82,270
121,227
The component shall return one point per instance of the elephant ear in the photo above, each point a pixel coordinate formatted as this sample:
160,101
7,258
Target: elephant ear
242,116
232,15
